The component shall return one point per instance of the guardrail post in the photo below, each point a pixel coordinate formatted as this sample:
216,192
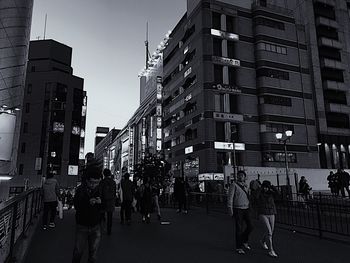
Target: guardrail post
319,219
13,231
207,202
25,216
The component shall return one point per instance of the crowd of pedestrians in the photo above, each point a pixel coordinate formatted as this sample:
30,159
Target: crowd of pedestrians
339,182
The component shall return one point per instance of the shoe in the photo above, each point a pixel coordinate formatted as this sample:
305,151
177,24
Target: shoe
246,246
264,245
273,254
52,225
44,227
240,251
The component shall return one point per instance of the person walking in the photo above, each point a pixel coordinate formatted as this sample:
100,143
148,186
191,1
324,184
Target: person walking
108,196
51,194
127,188
145,192
344,181
87,203
333,183
304,188
180,192
155,197
266,209
238,205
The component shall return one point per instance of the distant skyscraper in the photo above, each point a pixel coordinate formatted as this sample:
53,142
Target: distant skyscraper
53,122
15,23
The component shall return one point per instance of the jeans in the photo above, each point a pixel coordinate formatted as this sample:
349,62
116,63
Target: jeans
269,224
242,216
49,207
83,234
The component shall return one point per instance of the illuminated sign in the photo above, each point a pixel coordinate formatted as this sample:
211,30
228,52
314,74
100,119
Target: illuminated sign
239,146
7,131
159,145
188,97
223,145
58,127
205,177
228,116
227,88
225,35
159,133
76,130
72,169
189,150
159,122
218,177
187,72
226,61
186,50
159,110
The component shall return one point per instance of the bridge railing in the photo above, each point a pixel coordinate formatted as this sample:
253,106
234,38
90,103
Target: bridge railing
16,215
320,212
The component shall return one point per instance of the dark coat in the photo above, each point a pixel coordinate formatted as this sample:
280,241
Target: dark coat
108,194
87,214
265,201
146,199
127,189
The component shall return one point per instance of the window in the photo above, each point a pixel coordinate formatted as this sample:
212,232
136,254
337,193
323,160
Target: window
322,9
233,103
272,48
325,31
328,52
335,96
269,23
216,21
332,74
25,127
218,74
20,170
337,120
277,100
220,131
27,107
29,89
273,73
232,75
230,49
230,26
217,47
23,147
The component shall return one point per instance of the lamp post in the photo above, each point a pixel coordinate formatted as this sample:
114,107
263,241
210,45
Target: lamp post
284,139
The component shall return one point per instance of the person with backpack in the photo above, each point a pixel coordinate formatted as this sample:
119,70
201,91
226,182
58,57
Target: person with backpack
239,209
108,195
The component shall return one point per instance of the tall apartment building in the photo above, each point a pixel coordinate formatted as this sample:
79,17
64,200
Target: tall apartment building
54,115
241,71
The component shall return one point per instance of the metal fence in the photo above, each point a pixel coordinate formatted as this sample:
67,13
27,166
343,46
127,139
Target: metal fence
320,212
16,215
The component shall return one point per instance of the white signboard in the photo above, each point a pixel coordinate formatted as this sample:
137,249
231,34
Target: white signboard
218,177
226,61
72,169
205,177
239,146
223,145
225,35
7,131
188,150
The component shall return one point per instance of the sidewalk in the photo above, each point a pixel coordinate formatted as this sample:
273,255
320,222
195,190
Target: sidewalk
189,238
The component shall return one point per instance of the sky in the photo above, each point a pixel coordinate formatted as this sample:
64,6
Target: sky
107,37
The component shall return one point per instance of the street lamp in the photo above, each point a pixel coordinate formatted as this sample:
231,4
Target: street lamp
279,137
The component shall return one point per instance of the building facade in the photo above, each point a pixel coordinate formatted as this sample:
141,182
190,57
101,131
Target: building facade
54,116
102,154
235,73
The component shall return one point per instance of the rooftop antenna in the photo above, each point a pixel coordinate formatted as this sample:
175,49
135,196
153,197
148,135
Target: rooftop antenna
146,44
45,26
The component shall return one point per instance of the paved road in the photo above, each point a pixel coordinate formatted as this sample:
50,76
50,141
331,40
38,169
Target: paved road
189,238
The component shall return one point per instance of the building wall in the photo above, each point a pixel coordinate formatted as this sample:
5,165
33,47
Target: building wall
15,18
53,120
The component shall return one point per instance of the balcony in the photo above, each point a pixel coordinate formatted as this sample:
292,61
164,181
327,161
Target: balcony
326,22
327,2
330,84
324,41
330,63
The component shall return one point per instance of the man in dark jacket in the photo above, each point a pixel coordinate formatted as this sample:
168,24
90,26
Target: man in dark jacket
344,181
127,188
108,194
87,202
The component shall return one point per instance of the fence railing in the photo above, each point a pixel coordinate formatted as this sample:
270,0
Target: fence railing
320,212
16,215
